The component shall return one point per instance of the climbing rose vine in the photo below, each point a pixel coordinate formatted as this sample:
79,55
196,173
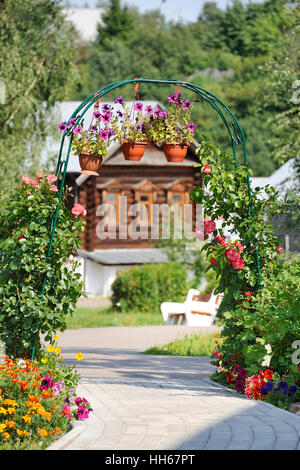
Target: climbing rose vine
25,228
261,304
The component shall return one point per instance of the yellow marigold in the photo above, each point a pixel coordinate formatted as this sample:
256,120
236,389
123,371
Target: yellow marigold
79,356
42,432
26,434
50,348
19,432
44,360
26,419
6,435
2,427
55,338
47,415
8,401
57,350
11,411
3,411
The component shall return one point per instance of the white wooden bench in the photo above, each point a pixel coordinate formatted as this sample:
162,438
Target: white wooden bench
194,311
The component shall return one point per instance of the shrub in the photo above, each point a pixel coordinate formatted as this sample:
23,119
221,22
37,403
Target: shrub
145,287
27,270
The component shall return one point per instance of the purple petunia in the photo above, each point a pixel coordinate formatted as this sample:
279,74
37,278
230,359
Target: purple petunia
269,386
120,114
94,129
292,389
62,126
148,109
77,130
191,126
103,135
186,104
172,98
110,132
72,122
138,107
156,112
283,385
106,108
119,100
106,117
97,114
163,114
139,128
47,382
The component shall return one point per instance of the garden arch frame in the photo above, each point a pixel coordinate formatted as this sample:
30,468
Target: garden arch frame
231,123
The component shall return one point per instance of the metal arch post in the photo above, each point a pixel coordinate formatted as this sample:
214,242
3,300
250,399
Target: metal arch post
233,127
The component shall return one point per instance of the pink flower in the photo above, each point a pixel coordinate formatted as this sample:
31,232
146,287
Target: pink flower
206,169
209,226
279,249
39,175
217,354
221,240
51,179
240,246
213,261
238,264
232,255
53,188
35,182
78,209
26,179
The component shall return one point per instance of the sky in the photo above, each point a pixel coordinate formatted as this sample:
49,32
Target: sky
190,8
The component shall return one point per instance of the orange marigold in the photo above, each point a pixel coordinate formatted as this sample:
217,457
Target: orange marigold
42,432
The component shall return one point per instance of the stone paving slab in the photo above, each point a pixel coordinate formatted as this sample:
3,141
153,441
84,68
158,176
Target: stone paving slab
165,402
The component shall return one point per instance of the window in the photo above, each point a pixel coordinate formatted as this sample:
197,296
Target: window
112,208
145,200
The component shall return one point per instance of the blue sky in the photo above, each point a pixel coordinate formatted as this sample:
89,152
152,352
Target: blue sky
190,8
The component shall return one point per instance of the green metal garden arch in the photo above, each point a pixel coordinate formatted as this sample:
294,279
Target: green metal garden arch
231,123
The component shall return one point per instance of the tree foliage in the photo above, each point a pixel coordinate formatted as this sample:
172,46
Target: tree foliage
36,68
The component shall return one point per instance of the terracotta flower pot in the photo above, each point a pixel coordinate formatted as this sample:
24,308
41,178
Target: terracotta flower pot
133,150
175,152
90,163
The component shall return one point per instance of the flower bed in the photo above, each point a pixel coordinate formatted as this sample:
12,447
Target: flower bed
38,400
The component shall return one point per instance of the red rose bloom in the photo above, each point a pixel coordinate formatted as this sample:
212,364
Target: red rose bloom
209,226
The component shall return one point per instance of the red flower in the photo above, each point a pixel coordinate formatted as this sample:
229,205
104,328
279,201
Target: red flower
238,264
232,255
206,169
248,296
221,240
240,246
279,249
268,374
213,261
209,226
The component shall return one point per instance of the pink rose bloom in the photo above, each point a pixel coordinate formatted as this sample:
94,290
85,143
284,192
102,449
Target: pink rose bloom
26,179
238,264
51,179
53,188
78,209
206,169
221,240
279,249
209,226
213,261
35,182
232,255
240,246
39,175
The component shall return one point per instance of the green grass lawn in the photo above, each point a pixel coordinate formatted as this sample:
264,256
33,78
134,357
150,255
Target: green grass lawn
96,317
193,345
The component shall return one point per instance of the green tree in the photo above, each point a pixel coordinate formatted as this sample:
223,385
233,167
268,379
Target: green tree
117,23
35,71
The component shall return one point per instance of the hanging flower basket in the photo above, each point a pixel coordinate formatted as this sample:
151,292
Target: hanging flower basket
175,152
90,163
133,150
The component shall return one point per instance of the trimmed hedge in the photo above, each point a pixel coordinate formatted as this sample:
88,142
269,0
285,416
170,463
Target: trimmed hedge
145,287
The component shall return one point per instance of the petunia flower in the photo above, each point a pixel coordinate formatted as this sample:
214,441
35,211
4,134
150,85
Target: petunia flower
119,100
138,107
148,109
103,135
62,126
172,98
191,126
77,130
106,118
186,104
106,107
97,114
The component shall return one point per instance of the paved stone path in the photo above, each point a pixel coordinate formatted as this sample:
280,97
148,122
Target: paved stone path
165,402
